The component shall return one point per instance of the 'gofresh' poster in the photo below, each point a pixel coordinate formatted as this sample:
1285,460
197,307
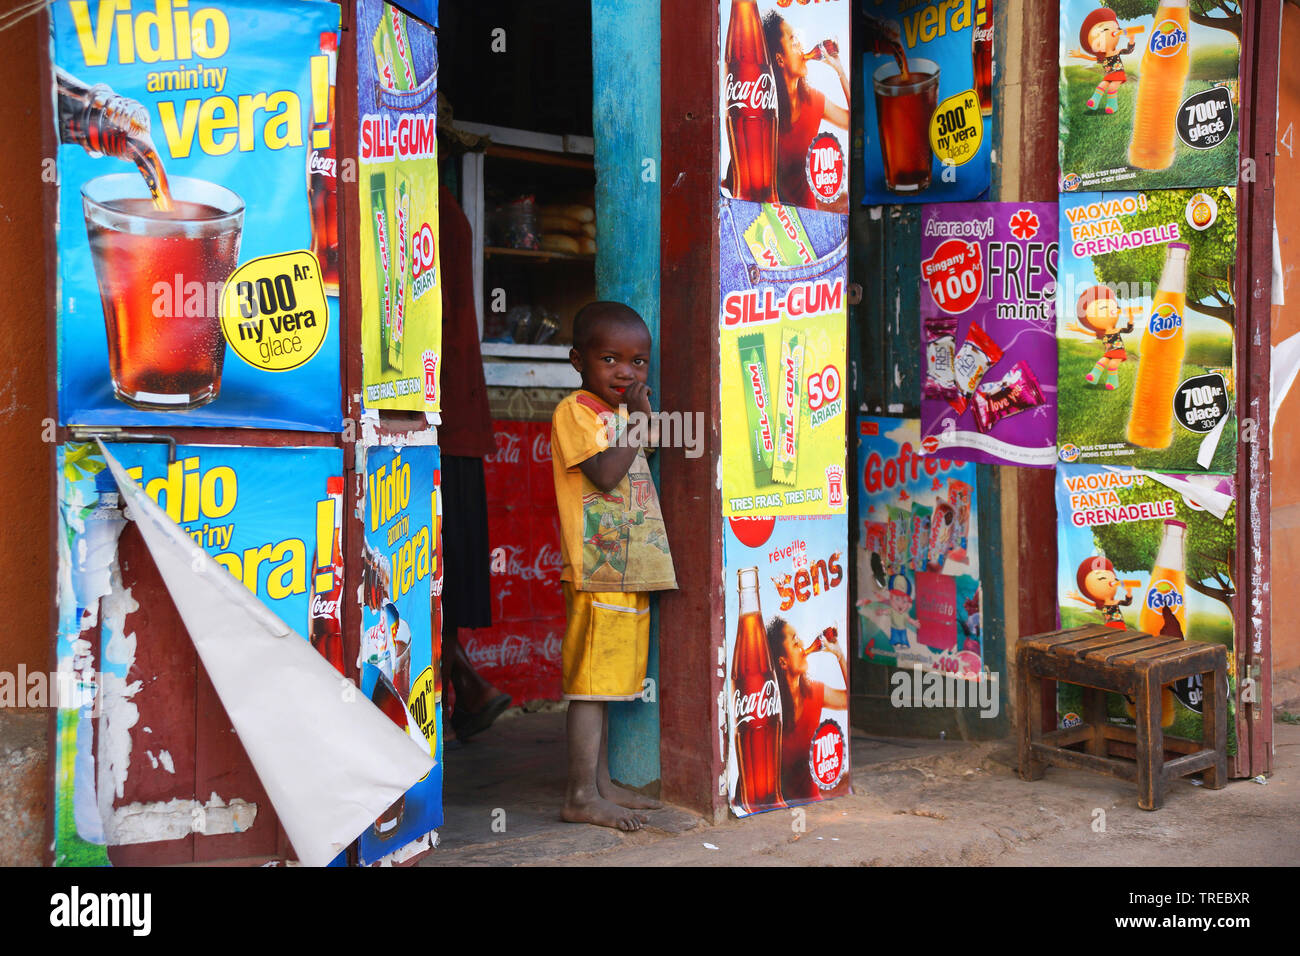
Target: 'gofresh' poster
927,132
1145,320
787,661
784,91
783,339
401,298
401,638
1149,94
197,231
1137,552
235,503
918,557
988,332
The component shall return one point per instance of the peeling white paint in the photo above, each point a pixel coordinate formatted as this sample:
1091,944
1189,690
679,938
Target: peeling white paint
118,714
419,845
152,759
151,822
165,758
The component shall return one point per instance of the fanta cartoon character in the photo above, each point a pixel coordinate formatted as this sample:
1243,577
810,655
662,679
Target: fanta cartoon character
900,606
1104,41
1100,586
1099,314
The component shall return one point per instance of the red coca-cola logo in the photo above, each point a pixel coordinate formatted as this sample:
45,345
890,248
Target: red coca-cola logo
541,448
318,162
545,563
759,705
826,755
751,93
752,532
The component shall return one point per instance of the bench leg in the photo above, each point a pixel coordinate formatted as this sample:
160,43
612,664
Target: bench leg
1214,724
1094,715
1029,690
1150,743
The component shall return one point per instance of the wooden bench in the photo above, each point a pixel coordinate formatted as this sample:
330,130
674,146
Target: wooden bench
1103,659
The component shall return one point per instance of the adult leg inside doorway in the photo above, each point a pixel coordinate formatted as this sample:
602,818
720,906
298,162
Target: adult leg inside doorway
583,799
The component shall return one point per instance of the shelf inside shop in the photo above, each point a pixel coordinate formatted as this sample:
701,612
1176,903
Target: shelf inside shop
524,350
536,255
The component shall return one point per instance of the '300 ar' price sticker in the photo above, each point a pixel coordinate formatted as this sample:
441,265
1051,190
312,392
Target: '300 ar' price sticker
273,311
957,129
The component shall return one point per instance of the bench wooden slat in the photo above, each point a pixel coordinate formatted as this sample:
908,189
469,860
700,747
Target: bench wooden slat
1083,647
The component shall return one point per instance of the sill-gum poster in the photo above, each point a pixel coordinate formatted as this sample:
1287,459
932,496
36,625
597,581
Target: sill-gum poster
784,102
1149,94
199,284
783,329
786,600
918,557
401,640
401,298
1146,314
927,113
1135,552
235,504
988,332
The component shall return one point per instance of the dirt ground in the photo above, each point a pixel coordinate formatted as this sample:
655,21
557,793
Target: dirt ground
914,803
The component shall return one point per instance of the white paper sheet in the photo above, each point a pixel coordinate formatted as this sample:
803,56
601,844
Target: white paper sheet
1215,502
329,760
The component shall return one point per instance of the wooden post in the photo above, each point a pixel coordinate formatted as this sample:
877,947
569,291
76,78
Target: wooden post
691,619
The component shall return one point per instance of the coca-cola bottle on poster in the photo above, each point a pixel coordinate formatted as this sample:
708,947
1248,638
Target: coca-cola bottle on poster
750,106
322,180
325,610
755,705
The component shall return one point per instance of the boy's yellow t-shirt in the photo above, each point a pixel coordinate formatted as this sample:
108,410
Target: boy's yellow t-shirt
610,541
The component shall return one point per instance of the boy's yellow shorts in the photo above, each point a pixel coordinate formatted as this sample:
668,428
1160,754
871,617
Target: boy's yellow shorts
605,644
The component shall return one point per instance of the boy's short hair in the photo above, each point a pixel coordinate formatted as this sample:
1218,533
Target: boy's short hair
595,314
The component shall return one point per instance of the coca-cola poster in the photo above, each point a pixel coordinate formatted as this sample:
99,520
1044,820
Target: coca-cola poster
520,652
401,295
788,735
917,557
400,656
196,231
988,332
783,329
785,102
927,107
266,515
1154,553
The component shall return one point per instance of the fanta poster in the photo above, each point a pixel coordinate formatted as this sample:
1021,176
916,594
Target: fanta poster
918,553
783,331
1145,320
401,639
787,595
197,228
1137,552
988,332
927,108
784,87
401,298
1149,94
270,516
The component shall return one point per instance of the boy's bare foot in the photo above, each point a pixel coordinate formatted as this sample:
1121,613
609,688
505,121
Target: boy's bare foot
628,798
603,814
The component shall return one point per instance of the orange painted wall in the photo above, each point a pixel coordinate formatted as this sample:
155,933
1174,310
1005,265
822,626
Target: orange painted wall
1286,322
25,534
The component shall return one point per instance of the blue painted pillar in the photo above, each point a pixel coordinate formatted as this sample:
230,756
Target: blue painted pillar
625,121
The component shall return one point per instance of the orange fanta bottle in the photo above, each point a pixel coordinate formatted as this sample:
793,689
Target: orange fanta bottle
1160,363
1163,73
1168,585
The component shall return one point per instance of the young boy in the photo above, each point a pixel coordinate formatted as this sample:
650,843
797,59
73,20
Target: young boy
614,547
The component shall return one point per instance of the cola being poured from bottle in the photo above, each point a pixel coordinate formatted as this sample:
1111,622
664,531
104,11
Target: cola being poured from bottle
106,124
